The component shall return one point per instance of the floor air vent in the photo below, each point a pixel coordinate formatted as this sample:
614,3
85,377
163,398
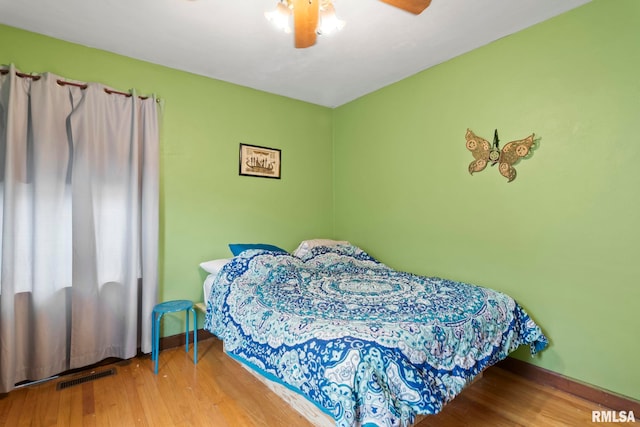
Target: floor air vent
86,378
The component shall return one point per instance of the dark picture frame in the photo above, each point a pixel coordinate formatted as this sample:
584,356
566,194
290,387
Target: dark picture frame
262,162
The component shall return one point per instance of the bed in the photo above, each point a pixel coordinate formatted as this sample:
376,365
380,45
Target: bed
364,343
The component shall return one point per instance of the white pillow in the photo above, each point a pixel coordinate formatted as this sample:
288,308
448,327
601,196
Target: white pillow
305,247
214,266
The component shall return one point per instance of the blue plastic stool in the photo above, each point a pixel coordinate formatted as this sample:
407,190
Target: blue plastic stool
170,307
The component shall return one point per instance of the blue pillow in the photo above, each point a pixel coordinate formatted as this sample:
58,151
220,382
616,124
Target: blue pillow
237,248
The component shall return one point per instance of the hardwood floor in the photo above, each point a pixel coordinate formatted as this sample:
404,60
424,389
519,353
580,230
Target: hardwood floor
219,392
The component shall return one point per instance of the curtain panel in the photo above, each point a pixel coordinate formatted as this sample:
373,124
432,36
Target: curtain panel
79,225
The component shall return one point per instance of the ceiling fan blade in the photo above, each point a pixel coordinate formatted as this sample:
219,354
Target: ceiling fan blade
414,6
305,22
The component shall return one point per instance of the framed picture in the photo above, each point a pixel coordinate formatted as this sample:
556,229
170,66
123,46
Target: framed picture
259,161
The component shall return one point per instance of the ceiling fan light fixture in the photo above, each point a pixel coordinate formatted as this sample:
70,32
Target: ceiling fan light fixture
329,22
280,17
318,17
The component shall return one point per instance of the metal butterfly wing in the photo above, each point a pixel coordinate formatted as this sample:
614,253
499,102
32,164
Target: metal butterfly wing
480,149
511,153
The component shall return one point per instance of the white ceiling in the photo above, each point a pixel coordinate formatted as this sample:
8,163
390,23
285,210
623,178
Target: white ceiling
231,40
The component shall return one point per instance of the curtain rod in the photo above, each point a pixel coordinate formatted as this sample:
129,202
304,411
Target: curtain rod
64,83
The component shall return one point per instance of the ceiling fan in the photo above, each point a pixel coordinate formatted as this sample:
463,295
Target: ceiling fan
306,12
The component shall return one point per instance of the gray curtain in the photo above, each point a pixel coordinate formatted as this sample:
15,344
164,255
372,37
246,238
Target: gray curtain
78,226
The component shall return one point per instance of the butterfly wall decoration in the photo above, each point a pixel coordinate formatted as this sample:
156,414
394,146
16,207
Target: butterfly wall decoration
485,153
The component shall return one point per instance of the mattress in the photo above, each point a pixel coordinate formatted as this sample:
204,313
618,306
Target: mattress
206,286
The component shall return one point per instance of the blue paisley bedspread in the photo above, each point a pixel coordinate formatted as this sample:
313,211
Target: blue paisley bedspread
368,344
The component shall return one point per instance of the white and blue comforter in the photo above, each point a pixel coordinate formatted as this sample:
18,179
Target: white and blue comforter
368,344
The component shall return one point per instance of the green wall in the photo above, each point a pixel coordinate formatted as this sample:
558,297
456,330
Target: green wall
563,238
205,204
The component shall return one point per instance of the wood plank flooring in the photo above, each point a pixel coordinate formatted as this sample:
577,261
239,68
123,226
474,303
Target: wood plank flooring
219,392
